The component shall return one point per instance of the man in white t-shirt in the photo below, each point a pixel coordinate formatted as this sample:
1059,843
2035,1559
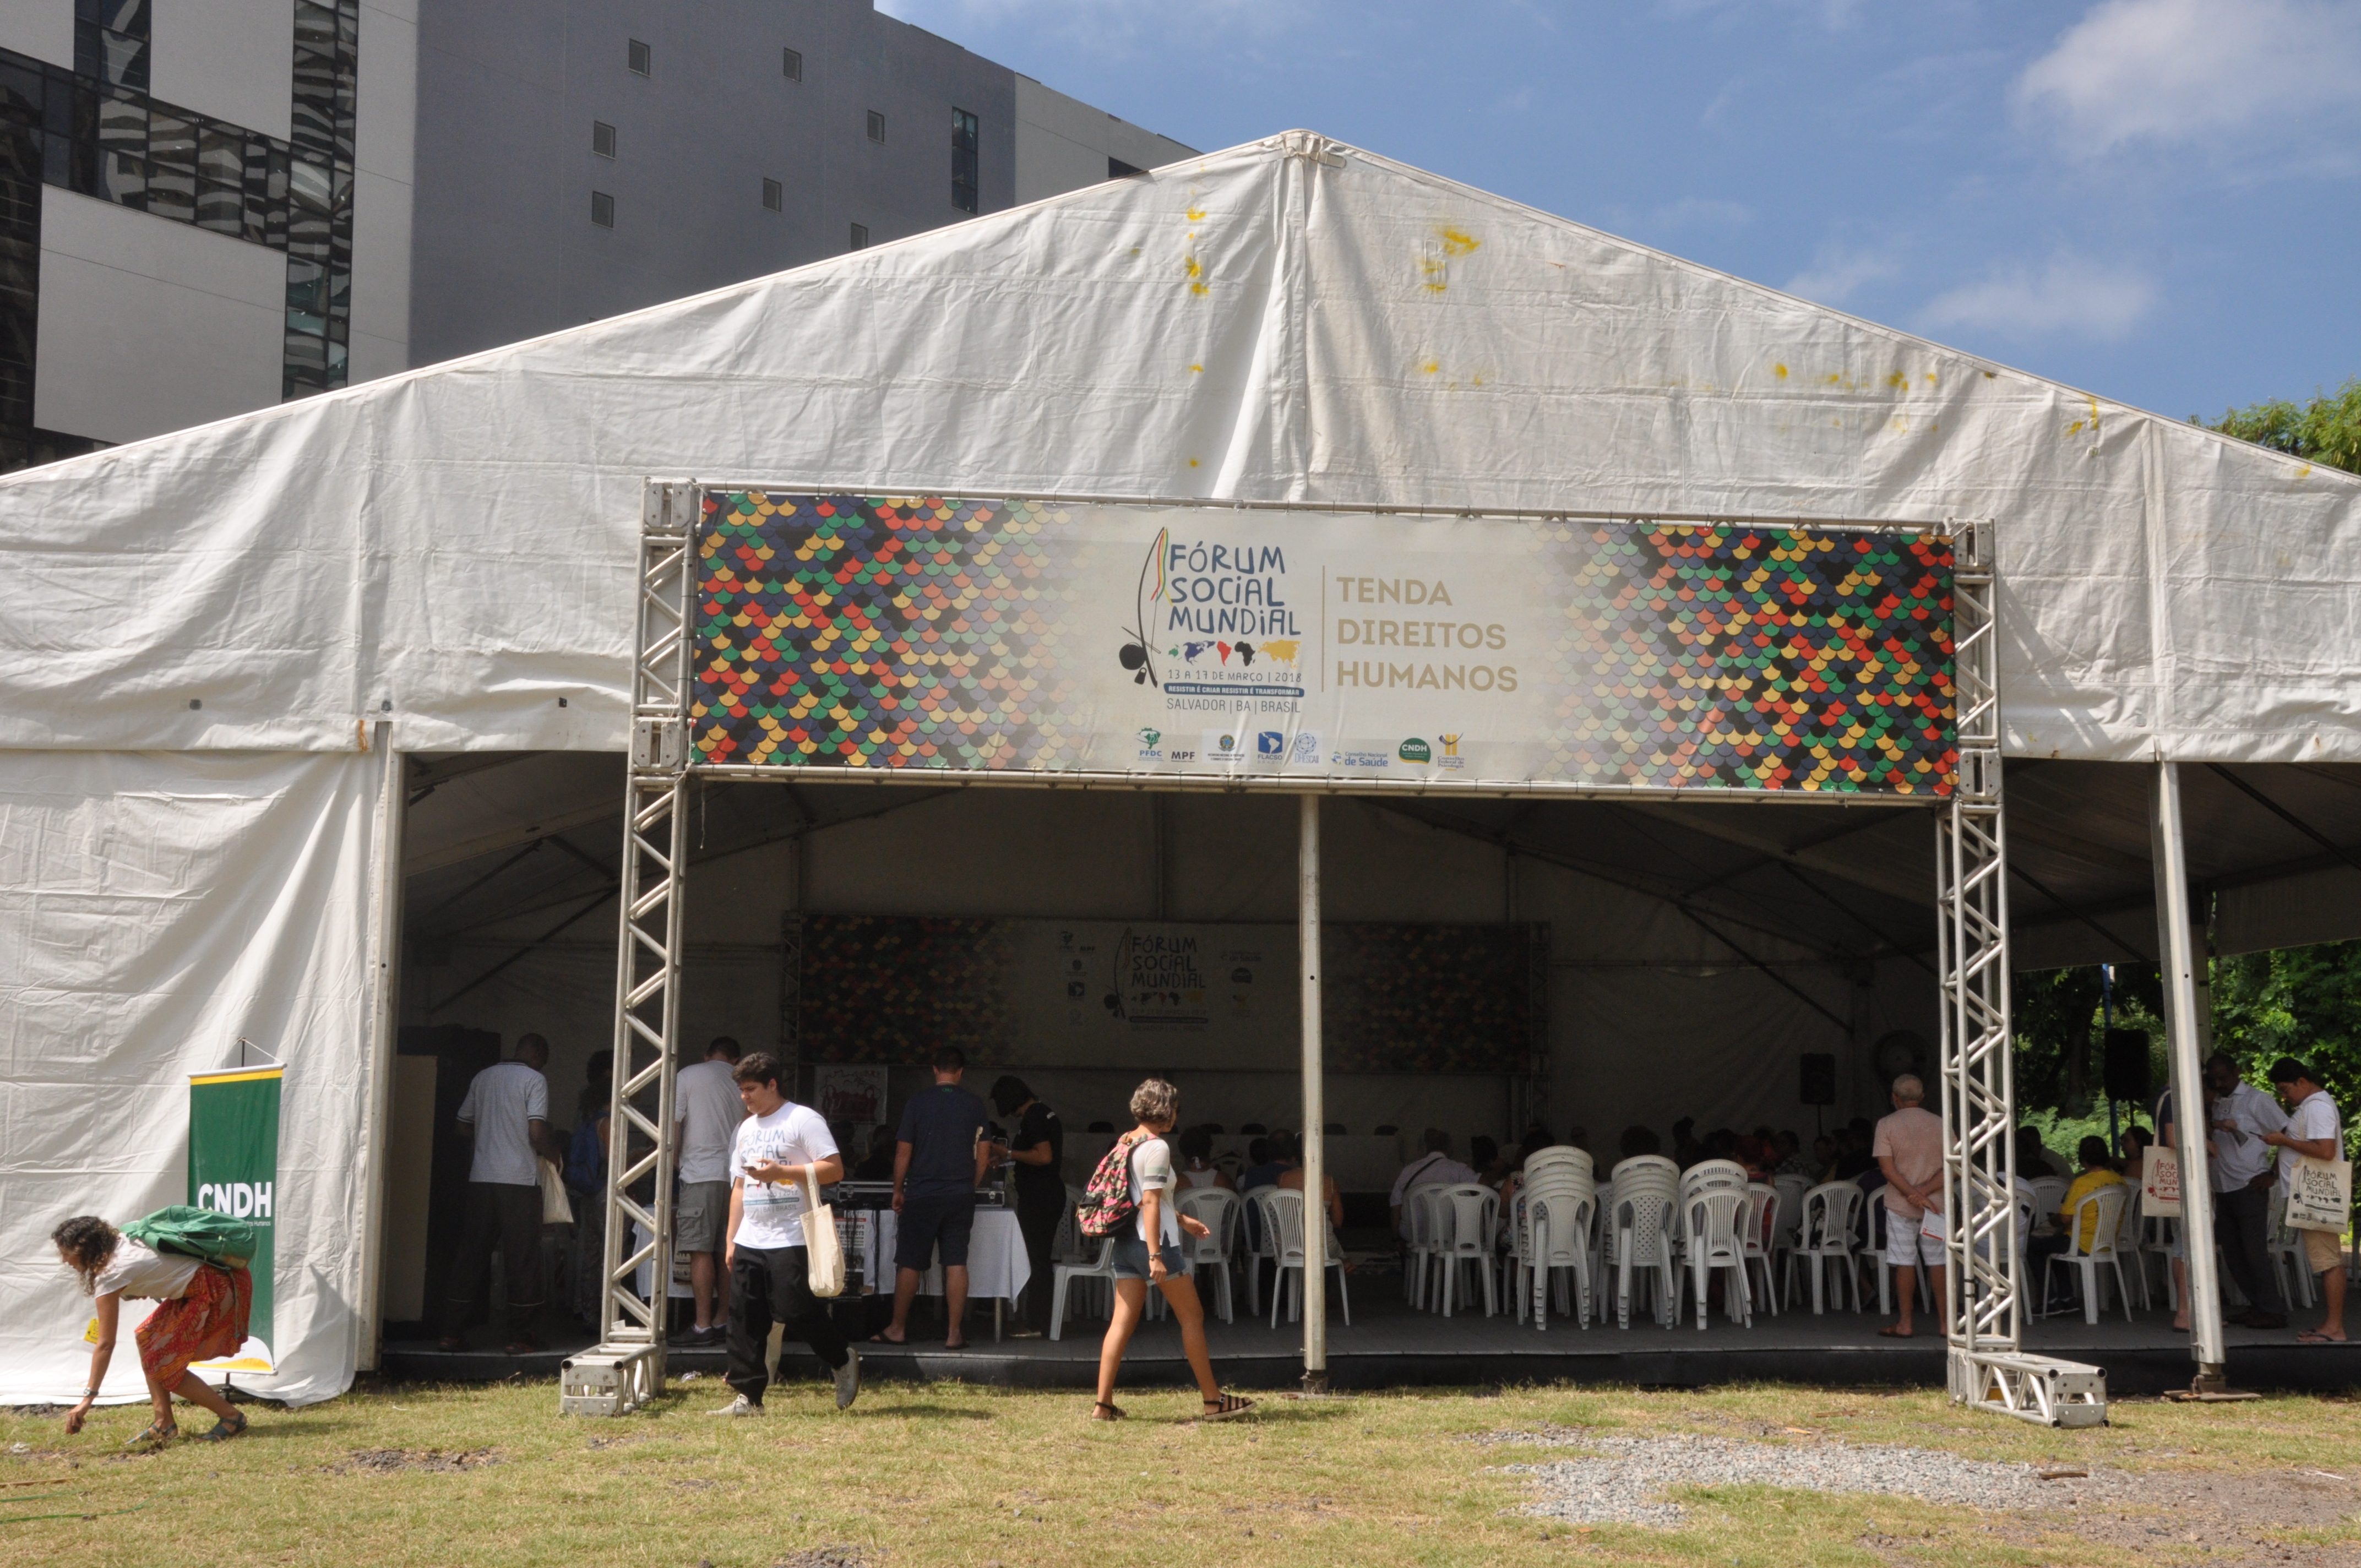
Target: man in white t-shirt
707,1107
2313,1128
506,1113
782,1150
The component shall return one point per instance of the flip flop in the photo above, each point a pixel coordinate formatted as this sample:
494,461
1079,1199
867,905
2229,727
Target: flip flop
1114,1411
1898,1333
2313,1336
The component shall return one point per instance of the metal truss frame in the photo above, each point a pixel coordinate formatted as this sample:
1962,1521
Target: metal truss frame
627,1368
1982,1293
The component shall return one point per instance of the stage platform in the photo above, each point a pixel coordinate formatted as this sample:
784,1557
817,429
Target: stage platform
1390,1345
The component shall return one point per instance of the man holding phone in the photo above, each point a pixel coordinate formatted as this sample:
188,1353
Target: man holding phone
780,1146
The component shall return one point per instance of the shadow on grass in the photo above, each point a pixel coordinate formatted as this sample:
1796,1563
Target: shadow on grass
937,1412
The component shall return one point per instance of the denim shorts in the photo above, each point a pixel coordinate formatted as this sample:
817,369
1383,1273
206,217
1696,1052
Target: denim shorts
1130,1259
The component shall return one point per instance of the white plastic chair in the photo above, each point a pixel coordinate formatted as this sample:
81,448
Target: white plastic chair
2128,1245
2160,1234
1647,1190
1282,1219
1256,1246
1714,1216
1831,1210
1713,1174
1217,1209
1754,1235
1101,1269
1602,1244
1556,1215
1429,1234
2286,1250
1787,1228
1472,1214
2049,1194
2105,1207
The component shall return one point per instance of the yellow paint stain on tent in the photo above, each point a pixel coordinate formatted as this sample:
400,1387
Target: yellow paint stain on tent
1196,274
1780,371
2092,423
1455,242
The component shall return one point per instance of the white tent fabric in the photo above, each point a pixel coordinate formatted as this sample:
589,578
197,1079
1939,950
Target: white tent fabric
154,907
452,551
452,547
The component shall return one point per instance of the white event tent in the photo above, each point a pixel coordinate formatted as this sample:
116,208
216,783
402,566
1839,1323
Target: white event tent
224,652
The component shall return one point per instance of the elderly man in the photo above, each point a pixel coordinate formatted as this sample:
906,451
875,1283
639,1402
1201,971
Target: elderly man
1908,1147
2243,1175
1435,1168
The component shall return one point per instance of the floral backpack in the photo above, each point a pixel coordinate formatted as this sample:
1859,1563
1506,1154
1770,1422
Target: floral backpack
1106,1205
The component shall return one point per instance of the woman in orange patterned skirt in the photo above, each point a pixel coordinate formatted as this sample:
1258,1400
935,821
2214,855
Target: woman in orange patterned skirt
201,1315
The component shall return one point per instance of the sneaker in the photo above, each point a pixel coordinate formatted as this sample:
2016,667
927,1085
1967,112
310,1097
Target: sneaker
741,1406
848,1379
691,1339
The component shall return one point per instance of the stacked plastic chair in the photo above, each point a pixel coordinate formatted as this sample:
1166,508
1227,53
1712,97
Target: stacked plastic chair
1557,1212
1470,1214
1831,1211
1647,1193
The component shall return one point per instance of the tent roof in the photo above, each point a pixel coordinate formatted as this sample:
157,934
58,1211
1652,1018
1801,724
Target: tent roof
1288,319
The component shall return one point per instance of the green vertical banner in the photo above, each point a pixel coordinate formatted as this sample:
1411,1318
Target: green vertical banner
233,1169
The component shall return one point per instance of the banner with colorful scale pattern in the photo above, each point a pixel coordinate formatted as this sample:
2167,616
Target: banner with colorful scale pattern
932,633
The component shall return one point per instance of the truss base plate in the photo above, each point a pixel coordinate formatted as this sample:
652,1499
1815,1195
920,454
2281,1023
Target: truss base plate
2037,1388
612,1380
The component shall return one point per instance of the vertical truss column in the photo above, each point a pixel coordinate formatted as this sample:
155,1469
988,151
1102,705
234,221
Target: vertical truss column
627,1368
1982,1311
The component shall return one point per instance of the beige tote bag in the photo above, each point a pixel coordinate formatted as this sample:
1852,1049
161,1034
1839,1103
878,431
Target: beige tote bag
2161,1183
2319,1195
556,1208
820,1243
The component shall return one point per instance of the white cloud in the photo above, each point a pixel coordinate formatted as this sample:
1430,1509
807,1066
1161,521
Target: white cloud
1835,274
2070,294
2180,69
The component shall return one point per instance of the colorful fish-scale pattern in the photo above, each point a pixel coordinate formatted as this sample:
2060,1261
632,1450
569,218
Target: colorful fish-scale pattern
1746,658
1428,998
866,632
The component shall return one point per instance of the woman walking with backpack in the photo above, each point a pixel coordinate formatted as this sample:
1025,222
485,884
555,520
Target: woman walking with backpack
202,1314
1131,1199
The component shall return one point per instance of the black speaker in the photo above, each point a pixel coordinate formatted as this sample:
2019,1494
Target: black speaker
2127,1065
1819,1079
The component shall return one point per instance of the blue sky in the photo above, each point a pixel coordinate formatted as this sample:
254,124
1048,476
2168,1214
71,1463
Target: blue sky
2155,200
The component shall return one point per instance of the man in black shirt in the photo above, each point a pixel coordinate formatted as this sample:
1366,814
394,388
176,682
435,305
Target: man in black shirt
1037,1174
940,1157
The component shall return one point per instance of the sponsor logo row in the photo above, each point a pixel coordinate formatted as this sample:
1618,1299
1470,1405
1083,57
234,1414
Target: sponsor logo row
1304,748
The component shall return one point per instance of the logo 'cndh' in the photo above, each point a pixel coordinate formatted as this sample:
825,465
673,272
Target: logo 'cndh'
1416,750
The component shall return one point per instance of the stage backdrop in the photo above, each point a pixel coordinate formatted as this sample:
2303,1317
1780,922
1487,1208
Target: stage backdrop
852,632
1149,995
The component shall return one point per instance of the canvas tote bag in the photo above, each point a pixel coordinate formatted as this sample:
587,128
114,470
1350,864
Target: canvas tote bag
557,1208
820,1243
2320,1194
2161,1183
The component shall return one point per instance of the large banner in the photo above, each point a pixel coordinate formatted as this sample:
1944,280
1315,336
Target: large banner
869,632
1152,995
233,1169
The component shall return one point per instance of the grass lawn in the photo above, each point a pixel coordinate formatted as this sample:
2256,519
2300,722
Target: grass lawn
952,1473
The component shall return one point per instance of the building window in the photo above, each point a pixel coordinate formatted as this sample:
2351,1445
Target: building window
962,161
641,58
774,196
1118,169
111,39
791,64
602,209
859,237
876,126
602,138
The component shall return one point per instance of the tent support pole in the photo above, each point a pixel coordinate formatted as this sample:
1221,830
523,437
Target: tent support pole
1315,1110
2185,1029
385,1025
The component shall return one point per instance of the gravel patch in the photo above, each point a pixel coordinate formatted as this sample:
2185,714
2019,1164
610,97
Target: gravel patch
1624,1480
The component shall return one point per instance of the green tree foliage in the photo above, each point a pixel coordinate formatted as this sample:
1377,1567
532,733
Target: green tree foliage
2325,430
2297,1002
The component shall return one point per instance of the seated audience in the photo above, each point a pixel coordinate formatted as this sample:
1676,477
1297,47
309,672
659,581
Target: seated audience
1197,1169
1484,1156
1434,1167
2137,1141
1263,1165
1787,1151
1687,1150
2098,1171
2034,1159
1638,1140
1853,1157
1823,1166
1292,1178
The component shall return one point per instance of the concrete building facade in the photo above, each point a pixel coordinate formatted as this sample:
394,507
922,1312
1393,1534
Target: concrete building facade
210,205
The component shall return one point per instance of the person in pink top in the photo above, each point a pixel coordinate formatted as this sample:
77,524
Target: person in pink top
1908,1148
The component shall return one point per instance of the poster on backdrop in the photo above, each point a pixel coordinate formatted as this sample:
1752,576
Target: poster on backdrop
870,632
854,1094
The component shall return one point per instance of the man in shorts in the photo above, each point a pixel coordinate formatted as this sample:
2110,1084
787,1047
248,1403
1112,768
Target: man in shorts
2313,1128
1908,1147
706,1108
940,1155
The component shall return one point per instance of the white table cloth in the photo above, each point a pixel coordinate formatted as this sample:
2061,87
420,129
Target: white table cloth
996,1264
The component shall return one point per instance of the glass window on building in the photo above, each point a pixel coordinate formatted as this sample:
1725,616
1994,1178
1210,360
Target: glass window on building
774,196
963,160
111,39
859,237
602,138
640,58
602,209
791,64
876,126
